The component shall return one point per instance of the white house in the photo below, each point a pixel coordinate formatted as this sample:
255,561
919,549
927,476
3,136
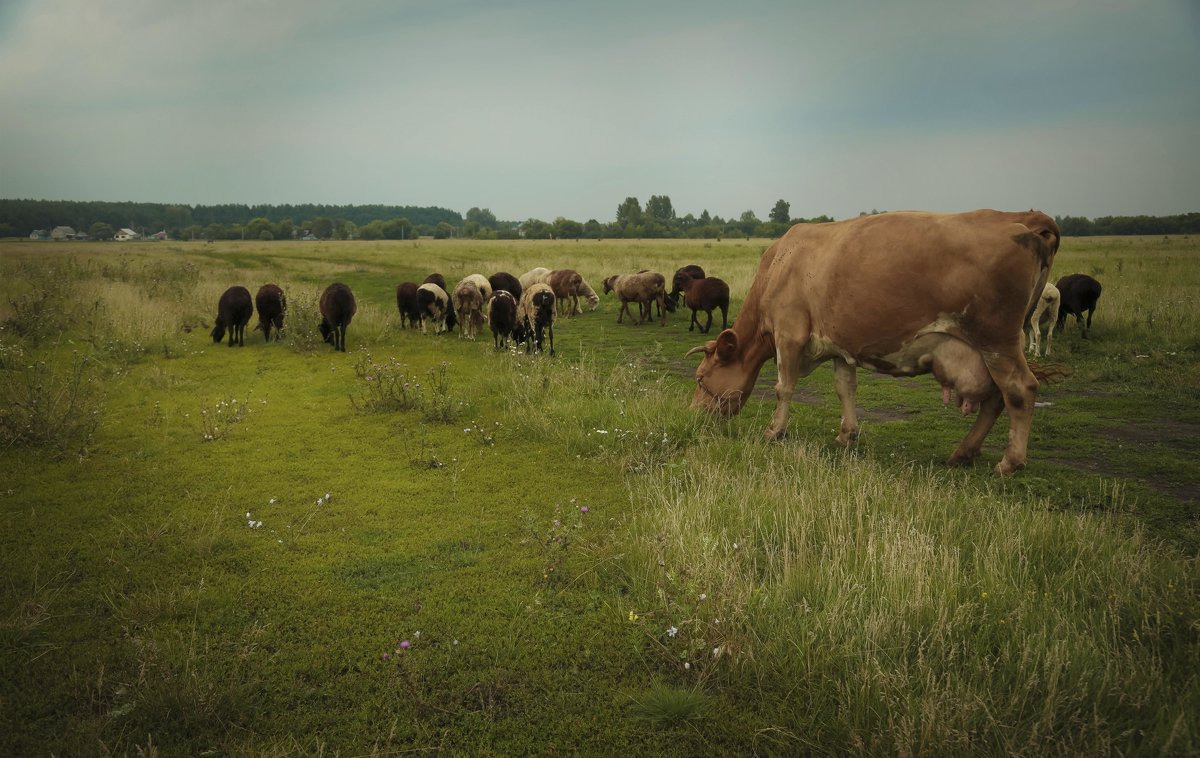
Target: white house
124,235
62,233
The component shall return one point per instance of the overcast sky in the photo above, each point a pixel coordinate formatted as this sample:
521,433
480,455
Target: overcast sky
559,108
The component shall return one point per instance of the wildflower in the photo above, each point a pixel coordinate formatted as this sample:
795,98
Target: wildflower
983,595
672,631
386,656
404,645
703,596
633,616
583,509
454,642
417,634
328,496
716,651
247,514
271,501
687,666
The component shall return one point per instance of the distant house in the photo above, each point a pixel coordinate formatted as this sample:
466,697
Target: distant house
124,235
62,233
38,234
309,238
160,235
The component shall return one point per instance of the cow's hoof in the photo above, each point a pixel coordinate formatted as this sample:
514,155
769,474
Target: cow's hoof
1005,468
961,458
846,439
774,436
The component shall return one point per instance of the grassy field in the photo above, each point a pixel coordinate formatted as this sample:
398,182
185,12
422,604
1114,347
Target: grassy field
423,545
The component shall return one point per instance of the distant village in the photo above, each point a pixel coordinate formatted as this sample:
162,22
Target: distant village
123,234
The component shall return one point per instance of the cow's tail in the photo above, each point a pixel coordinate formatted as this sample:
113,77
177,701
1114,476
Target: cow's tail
1050,373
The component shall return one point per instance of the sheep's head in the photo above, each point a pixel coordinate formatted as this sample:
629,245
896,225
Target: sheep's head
326,329
608,284
218,332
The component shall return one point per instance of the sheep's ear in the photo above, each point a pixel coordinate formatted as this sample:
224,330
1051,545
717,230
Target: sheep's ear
726,346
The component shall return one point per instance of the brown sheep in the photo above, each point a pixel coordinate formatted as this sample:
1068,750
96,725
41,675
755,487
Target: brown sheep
338,307
704,295
233,313
406,303
643,288
272,307
566,284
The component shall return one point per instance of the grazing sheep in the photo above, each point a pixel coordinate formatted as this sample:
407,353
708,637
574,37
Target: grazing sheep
643,288
502,316
586,290
1079,293
338,307
690,271
233,313
1046,311
272,307
481,281
566,283
440,281
704,295
535,314
434,303
505,281
406,303
468,302
534,276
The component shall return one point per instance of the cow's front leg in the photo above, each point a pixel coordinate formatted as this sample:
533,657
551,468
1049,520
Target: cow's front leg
790,369
845,380
968,449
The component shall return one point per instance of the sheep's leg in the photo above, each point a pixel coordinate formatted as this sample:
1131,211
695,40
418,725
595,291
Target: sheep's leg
845,381
551,328
708,325
724,325
661,299
621,312
1088,327
694,322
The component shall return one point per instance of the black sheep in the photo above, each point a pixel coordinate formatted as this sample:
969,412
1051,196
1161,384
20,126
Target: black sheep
234,310
1079,293
535,316
507,282
337,309
272,306
502,316
406,303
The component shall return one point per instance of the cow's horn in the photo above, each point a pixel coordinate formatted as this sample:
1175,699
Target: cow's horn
696,349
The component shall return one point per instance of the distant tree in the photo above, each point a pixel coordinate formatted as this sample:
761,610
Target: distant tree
98,231
321,228
658,208
371,231
536,229
284,229
255,227
484,218
443,231
592,229
344,229
565,228
779,214
629,212
705,219
399,229
266,235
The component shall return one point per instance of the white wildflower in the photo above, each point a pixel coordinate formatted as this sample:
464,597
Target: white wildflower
672,631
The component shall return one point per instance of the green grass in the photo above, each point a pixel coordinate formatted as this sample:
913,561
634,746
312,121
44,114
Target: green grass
719,594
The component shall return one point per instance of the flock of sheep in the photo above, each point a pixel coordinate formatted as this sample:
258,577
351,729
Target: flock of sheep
519,309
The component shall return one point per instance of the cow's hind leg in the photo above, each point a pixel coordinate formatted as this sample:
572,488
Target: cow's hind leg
845,381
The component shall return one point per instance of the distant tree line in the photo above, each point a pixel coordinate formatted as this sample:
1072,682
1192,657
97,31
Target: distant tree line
228,221
657,219
1079,226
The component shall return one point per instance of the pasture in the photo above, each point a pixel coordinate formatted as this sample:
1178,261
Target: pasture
422,545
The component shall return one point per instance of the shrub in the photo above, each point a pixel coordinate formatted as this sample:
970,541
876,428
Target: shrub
49,406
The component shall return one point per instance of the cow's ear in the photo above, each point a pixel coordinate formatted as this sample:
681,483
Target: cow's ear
727,345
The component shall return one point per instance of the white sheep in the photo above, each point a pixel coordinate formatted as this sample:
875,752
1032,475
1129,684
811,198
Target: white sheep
593,299
535,314
433,302
1046,311
533,276
643,288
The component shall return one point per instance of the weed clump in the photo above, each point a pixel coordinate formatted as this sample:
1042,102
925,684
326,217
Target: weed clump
50,406
387,385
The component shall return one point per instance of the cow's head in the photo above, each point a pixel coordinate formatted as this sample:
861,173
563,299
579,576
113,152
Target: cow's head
722,381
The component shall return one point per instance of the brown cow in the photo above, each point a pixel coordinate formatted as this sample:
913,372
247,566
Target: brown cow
902,294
